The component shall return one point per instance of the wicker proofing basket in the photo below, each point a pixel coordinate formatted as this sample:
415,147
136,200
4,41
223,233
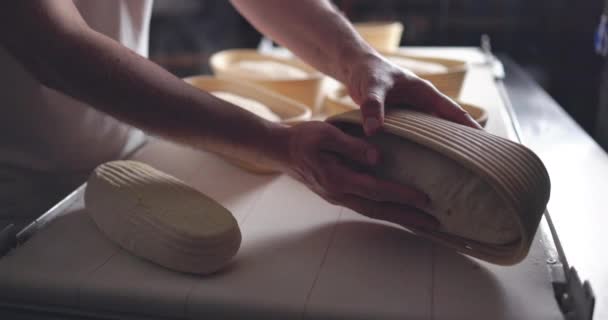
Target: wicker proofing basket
306,91
514,173
382,36
450,82
333,105
290,111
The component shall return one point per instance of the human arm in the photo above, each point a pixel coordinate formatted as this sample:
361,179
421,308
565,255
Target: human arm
52,41
315,31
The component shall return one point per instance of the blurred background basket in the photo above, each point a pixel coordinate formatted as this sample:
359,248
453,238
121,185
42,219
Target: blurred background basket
290,111
306,91
449,82
338,101
382,36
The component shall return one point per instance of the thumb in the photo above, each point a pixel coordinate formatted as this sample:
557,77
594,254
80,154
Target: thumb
372,107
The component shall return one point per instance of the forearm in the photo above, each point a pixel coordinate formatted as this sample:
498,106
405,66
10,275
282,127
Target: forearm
135,90
313,29
95,69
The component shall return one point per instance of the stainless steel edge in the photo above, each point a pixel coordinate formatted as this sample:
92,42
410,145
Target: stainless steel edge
578,168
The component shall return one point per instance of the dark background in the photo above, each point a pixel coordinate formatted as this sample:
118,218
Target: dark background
551,39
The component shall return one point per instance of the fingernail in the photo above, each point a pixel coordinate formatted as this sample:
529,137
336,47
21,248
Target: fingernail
371,124
372,156
473,121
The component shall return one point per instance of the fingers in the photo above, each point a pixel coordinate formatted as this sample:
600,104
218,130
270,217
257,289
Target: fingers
418,92
370,187
448,109
372,107
338,178
401,215
350,147
423,95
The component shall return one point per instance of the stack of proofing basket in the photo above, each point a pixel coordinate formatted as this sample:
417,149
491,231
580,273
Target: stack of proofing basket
513,174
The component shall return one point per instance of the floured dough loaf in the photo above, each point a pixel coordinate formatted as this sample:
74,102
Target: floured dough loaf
159,218
465,205
267,69
250,105
418,66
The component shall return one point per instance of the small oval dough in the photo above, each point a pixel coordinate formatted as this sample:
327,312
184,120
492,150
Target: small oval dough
464,204
418,66
157,217
267,69
253,106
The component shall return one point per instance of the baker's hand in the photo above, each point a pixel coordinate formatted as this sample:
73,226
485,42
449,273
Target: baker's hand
318,157
374,82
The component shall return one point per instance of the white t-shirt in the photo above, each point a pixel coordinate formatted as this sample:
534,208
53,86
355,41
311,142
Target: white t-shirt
49,141
44,130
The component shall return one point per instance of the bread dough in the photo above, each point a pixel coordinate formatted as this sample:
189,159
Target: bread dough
464,204
159,218
253,106
419,67
267,69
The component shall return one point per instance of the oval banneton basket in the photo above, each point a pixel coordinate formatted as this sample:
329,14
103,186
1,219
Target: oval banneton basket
290,111
383,36
307,90
337,101
449,82
493,218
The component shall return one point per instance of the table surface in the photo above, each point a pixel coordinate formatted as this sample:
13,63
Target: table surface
300,258
578,167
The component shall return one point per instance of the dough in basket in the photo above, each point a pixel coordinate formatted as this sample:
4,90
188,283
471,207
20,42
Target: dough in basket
250,105
464,203
267,69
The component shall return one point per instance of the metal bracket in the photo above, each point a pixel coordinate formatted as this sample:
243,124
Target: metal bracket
8,239
575,298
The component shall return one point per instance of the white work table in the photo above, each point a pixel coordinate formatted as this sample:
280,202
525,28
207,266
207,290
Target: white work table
301,258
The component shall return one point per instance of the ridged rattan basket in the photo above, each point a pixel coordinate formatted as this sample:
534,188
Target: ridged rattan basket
512,175
335,103
449,82
306,91
382,36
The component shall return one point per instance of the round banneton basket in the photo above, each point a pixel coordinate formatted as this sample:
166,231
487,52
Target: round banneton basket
449,82
382,36
338,101
306,90
515,182
290,111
